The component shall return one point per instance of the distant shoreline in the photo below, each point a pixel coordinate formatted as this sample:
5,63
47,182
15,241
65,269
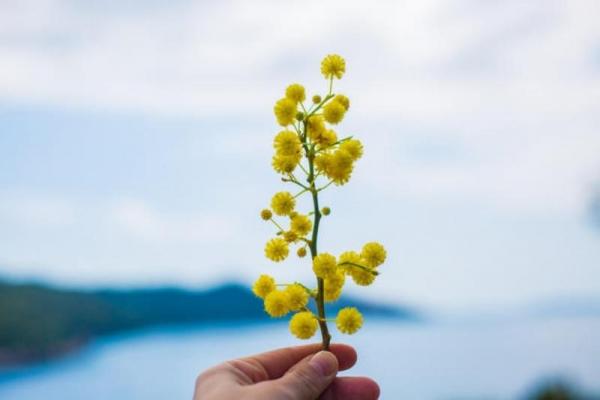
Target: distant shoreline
22,357
39,322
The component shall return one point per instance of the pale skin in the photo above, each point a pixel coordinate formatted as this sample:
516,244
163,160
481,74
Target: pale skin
292,373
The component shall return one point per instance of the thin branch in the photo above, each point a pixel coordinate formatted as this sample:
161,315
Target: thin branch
326,186
301,193
277,225
370,270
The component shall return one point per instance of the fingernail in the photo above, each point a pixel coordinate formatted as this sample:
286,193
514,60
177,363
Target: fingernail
324,362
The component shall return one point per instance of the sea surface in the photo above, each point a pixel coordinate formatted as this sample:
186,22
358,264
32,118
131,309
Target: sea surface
464,360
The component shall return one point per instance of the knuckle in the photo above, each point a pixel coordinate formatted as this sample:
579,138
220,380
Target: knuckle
249,369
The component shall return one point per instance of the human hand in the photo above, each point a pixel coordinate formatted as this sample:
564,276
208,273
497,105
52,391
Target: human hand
292,373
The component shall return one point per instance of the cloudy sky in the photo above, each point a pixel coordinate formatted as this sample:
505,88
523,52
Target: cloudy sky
135,141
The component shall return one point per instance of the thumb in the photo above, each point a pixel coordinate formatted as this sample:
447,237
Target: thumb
309,378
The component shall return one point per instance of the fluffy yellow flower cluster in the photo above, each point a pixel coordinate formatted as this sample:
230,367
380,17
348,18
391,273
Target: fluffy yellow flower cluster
310,155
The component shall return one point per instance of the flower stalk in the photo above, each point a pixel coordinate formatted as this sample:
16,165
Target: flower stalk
309,137
325,336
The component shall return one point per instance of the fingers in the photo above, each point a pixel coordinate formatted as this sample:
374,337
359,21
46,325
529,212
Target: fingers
277,362
269,376
351,388
305,381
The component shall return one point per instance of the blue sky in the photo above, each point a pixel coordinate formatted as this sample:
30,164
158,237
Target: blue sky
135,142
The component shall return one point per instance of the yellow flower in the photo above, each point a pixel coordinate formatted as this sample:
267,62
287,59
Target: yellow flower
285,164
324,265
323,161
343,100
287,143
318,133
333,285
277,304
303,325
333,112
339,167
353,147
336,280
301,224
327,138
266,214
290,236
285,111
342,159
373,254
301,252
347,258
361,276
297,297
276,249
331,295
315,126
349,320
295,92
264,285
283,203
333,65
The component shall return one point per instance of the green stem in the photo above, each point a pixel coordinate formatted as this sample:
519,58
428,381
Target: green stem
326,337
277,225
325,187
303,169
341,140
301,193
367,269
295,283
293,180
325,100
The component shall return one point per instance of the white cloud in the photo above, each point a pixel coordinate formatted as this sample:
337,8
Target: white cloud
44,212
136,218
492,104
511,82
523,167
124,240
203,58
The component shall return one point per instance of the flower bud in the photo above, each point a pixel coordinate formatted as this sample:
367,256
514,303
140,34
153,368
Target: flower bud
266,214
316,99
290,236
300,116
326,211
301,252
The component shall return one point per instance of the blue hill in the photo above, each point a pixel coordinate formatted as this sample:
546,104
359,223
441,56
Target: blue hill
38,321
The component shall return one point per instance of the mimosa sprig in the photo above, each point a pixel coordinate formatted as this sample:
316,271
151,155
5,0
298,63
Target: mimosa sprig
310,157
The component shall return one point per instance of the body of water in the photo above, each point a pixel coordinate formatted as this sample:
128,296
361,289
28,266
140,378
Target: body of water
423,361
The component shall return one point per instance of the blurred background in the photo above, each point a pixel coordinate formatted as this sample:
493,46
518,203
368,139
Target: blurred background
135,146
